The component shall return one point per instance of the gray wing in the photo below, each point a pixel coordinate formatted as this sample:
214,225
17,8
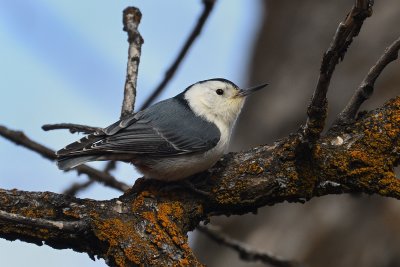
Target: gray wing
166,129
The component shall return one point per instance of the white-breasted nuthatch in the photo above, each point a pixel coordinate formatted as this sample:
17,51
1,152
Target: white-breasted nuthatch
172,139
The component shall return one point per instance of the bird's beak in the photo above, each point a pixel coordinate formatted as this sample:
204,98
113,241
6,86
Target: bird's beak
246,92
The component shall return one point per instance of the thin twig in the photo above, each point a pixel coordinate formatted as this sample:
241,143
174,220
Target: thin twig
208,6
244,252
20,138
131,20
366,88
346,31
73,189
72,227
72,127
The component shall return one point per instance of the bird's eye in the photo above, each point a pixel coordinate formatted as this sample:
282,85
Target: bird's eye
219,92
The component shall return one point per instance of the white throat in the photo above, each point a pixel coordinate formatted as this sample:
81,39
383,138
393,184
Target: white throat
223,116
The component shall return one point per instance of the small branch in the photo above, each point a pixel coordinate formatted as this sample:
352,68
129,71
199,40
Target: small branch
73,189
131,20
20,138
66,226
208,6
366,88
346,31
76,187
72,127
110,166
244,252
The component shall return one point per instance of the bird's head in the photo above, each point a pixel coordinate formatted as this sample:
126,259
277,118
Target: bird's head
218,100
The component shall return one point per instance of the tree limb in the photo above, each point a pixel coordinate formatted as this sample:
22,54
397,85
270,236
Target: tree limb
346,31
131,20
72,127
73,189
149,223
20,138
244,252
72,227
208,6
366,88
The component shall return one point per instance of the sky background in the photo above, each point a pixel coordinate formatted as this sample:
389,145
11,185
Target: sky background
65,62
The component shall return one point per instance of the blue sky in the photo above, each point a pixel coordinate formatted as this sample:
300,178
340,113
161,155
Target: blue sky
65,62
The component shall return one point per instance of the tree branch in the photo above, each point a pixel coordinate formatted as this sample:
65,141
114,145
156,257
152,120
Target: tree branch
72,127
76,187
208,6
244,252
366,88
149,223
72,227
346,31
20,138
131,20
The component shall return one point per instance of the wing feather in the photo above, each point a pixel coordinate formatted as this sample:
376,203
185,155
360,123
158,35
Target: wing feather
151,133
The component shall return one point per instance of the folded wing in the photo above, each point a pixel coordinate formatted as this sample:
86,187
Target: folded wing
163,130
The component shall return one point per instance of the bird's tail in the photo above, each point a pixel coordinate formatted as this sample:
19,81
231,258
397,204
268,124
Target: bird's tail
69,162
78,152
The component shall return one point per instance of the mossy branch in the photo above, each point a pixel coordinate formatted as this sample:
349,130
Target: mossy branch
149,223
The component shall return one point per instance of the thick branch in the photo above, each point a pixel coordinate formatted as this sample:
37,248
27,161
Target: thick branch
20,138
131,20
149,223
366,88
346,31
208,6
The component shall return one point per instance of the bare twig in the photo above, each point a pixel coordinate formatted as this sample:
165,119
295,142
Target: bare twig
72,127
76,187
366,88
244,252
131,20
208,6
346,31
73,189
20,138
66,226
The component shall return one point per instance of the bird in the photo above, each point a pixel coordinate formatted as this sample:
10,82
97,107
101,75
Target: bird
172,139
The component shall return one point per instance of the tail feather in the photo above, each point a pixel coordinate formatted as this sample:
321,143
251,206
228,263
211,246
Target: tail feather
77,153
79,146
69,162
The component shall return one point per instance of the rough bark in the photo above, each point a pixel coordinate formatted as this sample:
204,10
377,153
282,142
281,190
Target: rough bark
149,223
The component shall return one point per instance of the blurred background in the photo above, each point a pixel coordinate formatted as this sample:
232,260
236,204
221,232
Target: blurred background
65,62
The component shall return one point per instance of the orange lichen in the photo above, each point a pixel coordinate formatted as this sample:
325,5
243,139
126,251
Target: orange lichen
254,168
360,155
117,232
72,213
33,212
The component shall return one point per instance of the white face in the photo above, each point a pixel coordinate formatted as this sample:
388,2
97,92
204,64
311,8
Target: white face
216,101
